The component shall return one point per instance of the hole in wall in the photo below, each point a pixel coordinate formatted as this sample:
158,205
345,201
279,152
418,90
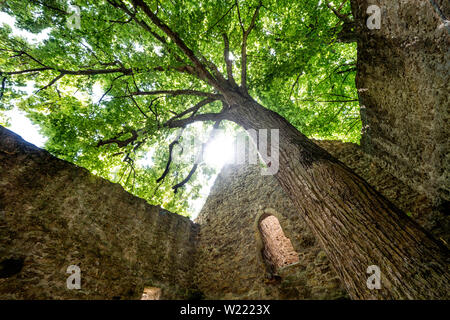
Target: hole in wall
10,267
151,293
278,250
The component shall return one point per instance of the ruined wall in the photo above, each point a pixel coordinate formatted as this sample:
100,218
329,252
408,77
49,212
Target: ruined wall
54,214
416,205
230,263
403,81
403,85
229,260
278,250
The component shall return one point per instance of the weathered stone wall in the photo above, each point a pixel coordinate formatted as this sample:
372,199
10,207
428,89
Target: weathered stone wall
229,259
230,263
278,250
54,214
416,205
403,81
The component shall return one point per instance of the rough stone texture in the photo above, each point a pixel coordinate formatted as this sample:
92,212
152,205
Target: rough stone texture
54,214
403,83
416,205
230,260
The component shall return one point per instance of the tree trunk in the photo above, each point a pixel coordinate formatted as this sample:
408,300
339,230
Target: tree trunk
356,226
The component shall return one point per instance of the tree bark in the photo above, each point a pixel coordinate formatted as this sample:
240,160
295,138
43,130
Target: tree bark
356,226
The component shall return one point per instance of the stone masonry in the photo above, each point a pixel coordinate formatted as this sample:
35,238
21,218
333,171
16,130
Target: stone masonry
54,214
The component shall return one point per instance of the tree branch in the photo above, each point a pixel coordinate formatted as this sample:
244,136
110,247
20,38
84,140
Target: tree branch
217,22
50,7
109,89
182,183
228,62
239,16
198,160
139,108
120,143
51,82
295,83
180,44
192,110
89,71
145,26
343,17
201,117
26,71
2,90
331,101
348,70
175,93
155,111
245,35
169,161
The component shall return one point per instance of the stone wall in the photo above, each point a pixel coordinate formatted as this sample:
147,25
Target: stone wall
230,263
403,81
416,205
54,214
278,250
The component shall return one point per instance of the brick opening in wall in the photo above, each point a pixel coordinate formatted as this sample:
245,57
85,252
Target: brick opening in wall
278,250
151,293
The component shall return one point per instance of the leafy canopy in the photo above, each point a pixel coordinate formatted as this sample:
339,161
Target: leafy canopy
89,81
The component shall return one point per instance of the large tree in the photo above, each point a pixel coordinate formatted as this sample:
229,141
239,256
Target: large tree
165,66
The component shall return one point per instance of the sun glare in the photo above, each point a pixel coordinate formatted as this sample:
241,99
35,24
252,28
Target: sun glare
219,151
23,126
